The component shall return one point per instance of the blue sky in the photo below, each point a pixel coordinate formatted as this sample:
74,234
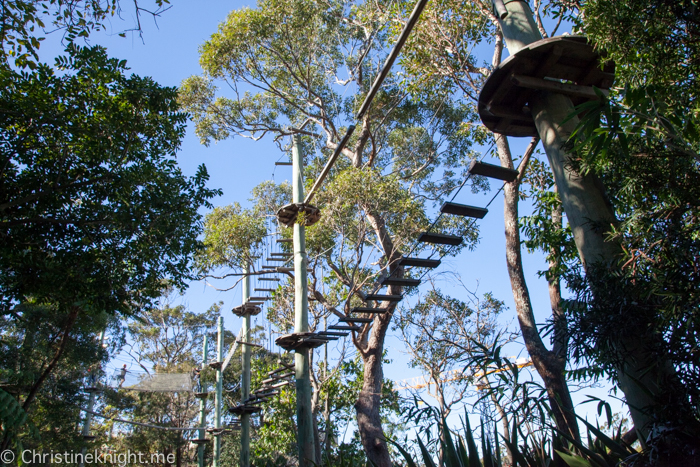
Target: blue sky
168,52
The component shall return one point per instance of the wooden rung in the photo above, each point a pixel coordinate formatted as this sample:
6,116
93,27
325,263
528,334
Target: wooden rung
269,266
356,320
364,309
277,259
287,255
258,299
401,282
493,171
274,279
285,240
463,210
420,262
384,298
345,328
265,290
440,239
328,333
283,163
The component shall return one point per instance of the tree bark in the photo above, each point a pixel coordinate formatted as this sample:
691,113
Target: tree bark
367,407
549,365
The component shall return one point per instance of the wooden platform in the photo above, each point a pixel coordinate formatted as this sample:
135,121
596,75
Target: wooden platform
244,409
246,309
345,328
493,171
336,334
356,320
301,340
463,210
440,239
287,215
383,298
365,309
419,262
562,64
401,281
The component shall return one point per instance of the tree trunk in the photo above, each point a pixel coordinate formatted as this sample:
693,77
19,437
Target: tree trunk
549,365
369,421
642,374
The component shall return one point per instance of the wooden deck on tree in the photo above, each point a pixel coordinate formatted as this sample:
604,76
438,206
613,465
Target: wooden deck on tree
563,64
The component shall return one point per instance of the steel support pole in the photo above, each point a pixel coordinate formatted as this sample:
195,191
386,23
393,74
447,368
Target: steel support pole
587,210
246,351
305,434
90,407
219,386
203,404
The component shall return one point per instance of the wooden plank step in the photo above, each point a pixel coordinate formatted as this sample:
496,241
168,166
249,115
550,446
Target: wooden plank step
285,240
285,255
464,210
440,239
493,171
277,259
329,333
274,279
345,328
258,299
364,309
383,298
401,282
283,163
419,262
265,290
356,320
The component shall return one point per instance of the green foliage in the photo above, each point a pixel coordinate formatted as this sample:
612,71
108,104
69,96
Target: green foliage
22,24
654,43
114,217
232,235
29,341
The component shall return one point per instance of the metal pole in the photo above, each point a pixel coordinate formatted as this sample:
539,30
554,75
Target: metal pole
246,350
305,434
203,404
90,407
219,386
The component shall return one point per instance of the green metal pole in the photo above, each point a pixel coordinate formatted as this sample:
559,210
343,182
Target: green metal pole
90,407
203,405
245,376
305,435
219,387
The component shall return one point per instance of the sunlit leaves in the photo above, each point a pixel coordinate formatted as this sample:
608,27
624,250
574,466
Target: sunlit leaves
232,236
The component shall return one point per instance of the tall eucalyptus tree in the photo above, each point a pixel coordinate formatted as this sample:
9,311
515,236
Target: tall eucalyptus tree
303,67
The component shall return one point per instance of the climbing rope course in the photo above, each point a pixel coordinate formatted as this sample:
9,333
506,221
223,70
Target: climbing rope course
280,261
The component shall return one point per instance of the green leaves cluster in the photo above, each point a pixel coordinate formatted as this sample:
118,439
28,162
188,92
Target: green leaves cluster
94,207
232,235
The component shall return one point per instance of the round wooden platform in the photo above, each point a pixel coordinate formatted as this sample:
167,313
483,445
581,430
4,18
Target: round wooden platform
301,340
247,309
562,64
287,215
